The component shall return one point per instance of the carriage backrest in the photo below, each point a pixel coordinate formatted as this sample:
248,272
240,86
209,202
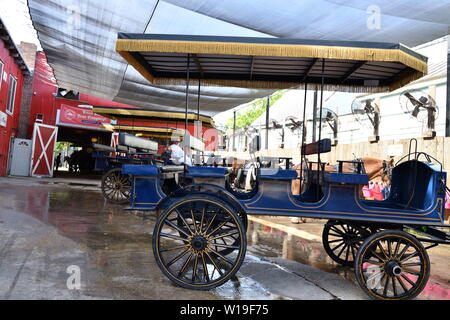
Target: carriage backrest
193,143
321,146
414,183
129,140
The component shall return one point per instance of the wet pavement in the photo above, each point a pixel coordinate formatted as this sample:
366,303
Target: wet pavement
50,227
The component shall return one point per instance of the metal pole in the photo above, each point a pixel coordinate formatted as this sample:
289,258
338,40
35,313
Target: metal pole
267,122
187,102
314,116
447,108
320,110
303,138
198,100
234,131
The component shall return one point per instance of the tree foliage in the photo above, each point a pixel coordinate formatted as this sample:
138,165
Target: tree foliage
256,108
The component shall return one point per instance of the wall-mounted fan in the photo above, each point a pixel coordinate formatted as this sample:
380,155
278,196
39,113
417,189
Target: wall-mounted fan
422,107
367,114
330,118
293,123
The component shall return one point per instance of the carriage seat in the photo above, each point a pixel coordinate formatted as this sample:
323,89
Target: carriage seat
209,175
346,178
207,172
276,174
140,169
417,181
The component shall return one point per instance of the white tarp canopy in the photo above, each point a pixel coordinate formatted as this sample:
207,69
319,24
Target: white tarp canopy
79,37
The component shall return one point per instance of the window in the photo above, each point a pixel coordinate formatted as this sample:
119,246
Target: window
1,73
11,94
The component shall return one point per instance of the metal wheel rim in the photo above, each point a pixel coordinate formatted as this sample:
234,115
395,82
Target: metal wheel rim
342,241
192,267
378,279
116,186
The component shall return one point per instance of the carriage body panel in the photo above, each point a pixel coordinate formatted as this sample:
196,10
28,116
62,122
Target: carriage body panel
338,196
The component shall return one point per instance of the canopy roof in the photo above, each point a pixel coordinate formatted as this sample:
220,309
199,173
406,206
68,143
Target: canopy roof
274,63
79,37
132,113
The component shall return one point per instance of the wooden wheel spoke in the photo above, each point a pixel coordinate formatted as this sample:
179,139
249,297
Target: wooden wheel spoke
193,220
194,269
412,255
225,235
399,279
174,248
342,250
394,285
334,248
218,227
214,263
184,221
185,264
203,217
400,255
171,236
222,257
382,250
205,269
181,255
407,280
410,271
224,246
210,223
386,283
173,225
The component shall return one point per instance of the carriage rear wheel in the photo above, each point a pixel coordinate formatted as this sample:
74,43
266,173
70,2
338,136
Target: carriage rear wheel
116,186
392,265
191,255
342,240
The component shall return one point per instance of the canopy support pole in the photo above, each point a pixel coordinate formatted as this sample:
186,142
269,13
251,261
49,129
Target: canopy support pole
314,128
303,138
234,131
187,103
447,108
267,123
320,109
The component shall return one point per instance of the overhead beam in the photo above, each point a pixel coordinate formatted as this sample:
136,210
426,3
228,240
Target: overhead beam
251,67
310,67
197,63
355,68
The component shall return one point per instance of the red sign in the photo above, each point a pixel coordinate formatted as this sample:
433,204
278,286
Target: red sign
81,118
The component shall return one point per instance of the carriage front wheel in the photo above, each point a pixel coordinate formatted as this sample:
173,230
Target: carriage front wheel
190,254
392,265
116,186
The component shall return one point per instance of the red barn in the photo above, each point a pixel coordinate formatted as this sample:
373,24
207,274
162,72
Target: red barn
13,69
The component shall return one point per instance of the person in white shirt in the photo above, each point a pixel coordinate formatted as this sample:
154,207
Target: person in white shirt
177,153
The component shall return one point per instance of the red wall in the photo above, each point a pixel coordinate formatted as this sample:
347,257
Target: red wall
12,127
44,101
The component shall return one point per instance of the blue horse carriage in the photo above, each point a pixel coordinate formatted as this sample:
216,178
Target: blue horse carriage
130,149
199,240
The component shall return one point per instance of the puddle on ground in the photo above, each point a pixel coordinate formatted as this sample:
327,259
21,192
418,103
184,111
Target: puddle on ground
269,242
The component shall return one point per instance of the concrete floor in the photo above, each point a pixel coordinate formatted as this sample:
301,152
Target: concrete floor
52,226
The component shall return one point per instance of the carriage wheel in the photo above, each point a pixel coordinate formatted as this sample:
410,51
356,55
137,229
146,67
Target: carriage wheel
392,265
342,240
191,255
116,186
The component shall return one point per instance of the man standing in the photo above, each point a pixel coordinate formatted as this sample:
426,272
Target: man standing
57,162
177,153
